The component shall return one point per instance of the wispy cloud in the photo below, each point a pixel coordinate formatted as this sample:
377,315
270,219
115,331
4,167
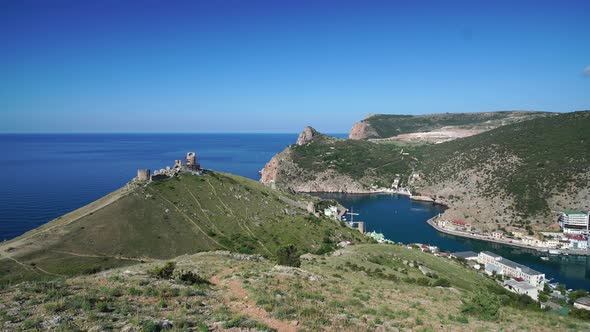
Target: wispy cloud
586,71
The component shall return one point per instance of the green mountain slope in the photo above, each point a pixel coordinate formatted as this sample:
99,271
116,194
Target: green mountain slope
168,218
388,125
514,175
330,164
537,166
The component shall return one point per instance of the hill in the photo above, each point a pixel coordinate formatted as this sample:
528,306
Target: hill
359,288
433,128
328,164
168,218
514,175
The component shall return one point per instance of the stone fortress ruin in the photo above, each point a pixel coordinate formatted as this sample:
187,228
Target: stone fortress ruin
190,166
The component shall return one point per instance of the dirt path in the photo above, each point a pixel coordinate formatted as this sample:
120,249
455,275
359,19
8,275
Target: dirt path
65,220
123,258
188,218
246,306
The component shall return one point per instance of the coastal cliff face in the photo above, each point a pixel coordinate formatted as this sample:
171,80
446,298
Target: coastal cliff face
362,130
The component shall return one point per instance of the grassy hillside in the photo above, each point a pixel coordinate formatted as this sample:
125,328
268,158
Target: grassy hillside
361,160
528,162
166,219
362,288
385,125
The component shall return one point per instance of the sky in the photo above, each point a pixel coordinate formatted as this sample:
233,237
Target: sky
277,66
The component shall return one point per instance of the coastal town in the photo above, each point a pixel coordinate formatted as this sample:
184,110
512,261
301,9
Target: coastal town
572,239
514,277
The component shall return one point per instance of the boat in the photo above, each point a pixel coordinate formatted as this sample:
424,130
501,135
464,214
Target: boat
554,252
545,258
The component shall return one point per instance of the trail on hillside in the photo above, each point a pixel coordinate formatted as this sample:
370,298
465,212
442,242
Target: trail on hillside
63,221
244,227
124,258
202,210
245,305
33,268
189,219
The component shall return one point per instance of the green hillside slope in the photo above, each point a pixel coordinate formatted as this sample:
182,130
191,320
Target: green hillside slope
528,162
363,288
182,215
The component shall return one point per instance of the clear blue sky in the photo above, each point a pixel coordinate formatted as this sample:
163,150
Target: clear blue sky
276,66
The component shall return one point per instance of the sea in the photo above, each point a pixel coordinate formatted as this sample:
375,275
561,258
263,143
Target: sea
43,176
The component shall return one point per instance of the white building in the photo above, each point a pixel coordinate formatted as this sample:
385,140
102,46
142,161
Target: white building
521,287
331,212
497,235
579,242
506,267
574,222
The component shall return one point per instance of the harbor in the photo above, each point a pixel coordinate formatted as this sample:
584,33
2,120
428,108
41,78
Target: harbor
403,220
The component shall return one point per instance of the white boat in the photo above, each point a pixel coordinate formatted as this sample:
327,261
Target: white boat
554,252
545,258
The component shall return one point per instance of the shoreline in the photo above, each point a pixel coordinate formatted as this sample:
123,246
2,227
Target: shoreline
504,242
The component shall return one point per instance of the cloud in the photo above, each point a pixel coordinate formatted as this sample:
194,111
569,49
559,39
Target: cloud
586,71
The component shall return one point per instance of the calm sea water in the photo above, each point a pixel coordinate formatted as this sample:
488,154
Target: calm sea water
45,176
403,220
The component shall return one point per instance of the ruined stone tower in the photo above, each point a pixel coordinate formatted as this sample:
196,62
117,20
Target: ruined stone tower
143,174
191,161
178,163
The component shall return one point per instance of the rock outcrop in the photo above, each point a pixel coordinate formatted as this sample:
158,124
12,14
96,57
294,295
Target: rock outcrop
362,130
307,135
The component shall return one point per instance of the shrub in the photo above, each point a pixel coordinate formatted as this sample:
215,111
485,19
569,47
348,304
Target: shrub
484,305
580,313
164,272
442,282
288,256
151,327
192,278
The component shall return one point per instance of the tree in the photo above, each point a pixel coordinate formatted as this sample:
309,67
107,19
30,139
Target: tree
288,256
577,294
543,297
561,289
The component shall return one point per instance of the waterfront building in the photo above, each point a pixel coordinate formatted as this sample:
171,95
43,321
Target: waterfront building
497,235
509,268
579,242
331,212
583,303
521,287
468,255
574,222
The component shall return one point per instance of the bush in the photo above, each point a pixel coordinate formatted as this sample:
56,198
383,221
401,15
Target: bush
442,282
192,278
151,327
288,256
164,272
484,305
580,313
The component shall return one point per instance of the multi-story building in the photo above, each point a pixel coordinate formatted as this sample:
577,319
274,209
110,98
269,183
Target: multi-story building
506,267
577,241
574,222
